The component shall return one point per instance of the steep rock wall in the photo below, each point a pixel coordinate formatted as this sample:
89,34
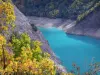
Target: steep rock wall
90,26
22,25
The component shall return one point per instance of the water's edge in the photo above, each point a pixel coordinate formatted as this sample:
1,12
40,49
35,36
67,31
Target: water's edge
83,44
67,25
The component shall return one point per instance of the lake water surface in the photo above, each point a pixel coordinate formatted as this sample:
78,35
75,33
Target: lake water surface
72,48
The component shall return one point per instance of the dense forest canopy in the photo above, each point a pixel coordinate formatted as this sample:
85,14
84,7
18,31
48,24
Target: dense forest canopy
55,8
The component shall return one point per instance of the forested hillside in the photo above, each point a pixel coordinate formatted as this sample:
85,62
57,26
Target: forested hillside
23,49
20,53
57,8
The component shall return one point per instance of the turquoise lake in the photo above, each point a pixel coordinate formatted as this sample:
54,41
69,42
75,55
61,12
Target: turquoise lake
71,49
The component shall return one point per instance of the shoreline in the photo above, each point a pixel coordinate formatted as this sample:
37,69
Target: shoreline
62,24
73,33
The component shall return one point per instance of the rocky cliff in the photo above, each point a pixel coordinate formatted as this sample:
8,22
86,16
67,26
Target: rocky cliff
22,25
72,9
90,26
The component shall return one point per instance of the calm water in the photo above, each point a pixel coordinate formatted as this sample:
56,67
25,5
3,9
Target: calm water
73,49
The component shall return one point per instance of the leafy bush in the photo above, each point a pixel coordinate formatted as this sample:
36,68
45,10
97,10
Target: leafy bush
21,55
54,13
7,16
76,3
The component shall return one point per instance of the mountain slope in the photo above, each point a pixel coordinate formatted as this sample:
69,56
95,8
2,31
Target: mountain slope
22,25
85,12
90,26
55,8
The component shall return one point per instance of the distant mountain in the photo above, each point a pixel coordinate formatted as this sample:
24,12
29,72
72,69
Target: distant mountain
55,8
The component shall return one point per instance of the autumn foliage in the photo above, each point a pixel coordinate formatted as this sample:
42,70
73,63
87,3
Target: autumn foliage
20,55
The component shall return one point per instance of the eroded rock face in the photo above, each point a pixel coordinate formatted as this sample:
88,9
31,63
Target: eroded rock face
22,25
90,26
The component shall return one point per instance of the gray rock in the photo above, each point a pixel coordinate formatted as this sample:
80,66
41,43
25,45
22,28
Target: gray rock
90,26
22,25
